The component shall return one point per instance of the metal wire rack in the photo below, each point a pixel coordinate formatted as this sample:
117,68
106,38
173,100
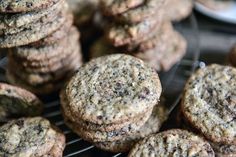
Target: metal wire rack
172,82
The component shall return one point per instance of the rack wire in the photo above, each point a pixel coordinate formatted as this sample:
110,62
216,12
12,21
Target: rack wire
172,82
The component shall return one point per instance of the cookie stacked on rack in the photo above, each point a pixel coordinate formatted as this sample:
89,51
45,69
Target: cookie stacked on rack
109,100
42,43
141,29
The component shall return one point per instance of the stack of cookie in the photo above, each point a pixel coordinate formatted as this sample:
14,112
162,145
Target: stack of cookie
140,29
208,107
112,101
43,44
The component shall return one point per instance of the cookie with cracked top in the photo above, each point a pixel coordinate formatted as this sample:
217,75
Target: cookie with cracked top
178,9
148,9
31,137
25,18
16,6
124,34
112,89
115,7
32,33
174,142
152,125
209,101
16,102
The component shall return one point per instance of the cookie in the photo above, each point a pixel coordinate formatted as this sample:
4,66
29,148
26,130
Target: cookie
148,9
115,7
58,35
216,4
64,61
41,78
168,51
104,136
46,88
37,54
112,86
15,6
153,125
221,150
232,56
25,37
172,143
178,9
155,38
17,102
96,127
208,103
25,18
30,137
120,35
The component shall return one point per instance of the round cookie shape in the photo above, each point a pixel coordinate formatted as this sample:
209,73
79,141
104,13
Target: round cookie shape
172,143
148,9
27,137
112,89
16,6
209,103
115,7
16,102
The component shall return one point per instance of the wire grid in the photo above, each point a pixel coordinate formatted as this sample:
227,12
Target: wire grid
172,82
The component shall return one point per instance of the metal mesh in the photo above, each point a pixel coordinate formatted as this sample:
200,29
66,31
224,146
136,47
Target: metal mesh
172,82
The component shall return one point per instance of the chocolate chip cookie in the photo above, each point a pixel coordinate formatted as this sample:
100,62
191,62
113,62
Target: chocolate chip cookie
112,86
31,137
31,33
172,143
17,102
15,6
209,103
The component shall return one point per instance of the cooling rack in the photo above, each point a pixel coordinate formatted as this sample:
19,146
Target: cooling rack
172,82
